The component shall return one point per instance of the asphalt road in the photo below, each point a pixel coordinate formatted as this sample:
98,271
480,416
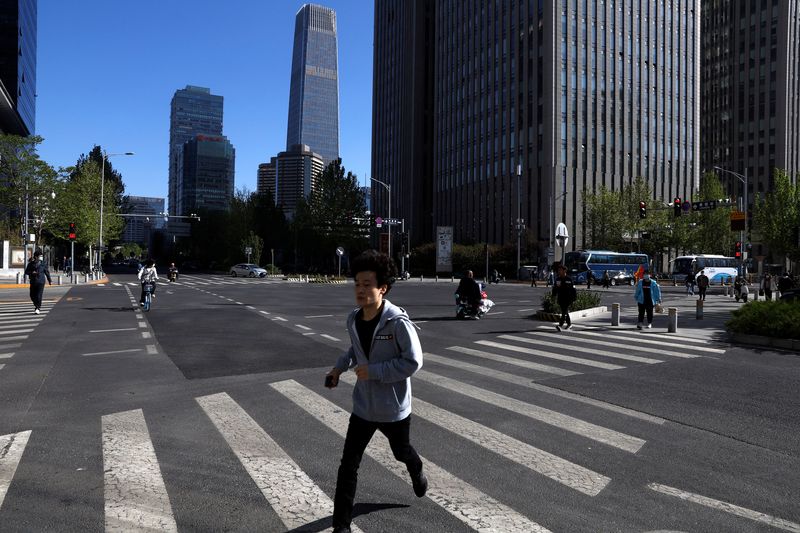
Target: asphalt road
208,414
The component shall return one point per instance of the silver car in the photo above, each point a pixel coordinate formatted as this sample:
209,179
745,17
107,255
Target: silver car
248,270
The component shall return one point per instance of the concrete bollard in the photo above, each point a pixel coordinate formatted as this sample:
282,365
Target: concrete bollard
420,277
59,279
436,279
452,279
699,310
20,278
615,314
672,320
86,278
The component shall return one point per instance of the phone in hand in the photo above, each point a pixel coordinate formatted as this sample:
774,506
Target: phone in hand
329,381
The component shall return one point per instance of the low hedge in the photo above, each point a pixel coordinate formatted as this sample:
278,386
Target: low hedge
585,300
767,318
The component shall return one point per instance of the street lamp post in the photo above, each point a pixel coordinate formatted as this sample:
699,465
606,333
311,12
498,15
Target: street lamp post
102,183
742,235
388,226
519,220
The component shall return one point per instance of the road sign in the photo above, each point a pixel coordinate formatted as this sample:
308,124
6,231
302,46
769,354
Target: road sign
704,205
378,222
391,221
737,221
340,251
686,206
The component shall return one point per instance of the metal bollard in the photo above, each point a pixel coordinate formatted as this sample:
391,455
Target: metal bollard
452,279
615,314
699,310
436,279
672,320
59,279
19,281
86,278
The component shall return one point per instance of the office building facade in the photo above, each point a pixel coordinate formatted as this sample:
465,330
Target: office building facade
206,173
193,111
266,178
314,90
529,104
149,213
751,93
296,174
18,66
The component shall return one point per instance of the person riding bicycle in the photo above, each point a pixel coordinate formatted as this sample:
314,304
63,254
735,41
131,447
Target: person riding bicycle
148,274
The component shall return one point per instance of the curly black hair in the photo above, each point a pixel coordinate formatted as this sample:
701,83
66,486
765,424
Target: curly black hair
375,261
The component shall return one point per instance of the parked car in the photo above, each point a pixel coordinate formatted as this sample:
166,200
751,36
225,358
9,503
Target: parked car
619,277
249,270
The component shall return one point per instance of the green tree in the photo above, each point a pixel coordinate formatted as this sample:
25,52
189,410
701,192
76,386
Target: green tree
777,218
711,232
603,220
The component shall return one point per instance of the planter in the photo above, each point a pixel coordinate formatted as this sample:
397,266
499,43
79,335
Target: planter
767,342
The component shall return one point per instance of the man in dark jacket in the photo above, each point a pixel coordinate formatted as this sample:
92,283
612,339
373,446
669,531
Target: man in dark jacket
469,290
785,283
37,272
564,292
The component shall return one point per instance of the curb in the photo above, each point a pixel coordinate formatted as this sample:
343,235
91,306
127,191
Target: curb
26,285
583,313
792,345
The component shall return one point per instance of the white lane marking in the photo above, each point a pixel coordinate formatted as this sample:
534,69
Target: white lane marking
526,310
556,468
547,416
526,382
7,355
264,312
559,357
110,330
151,349
15,331
730,508
8,346
7,324
577,337
135,495
282,482
146,335
112,352
1,368
101,284
117,284
308,333
614,355
317,316
495,312
514,361
238,303
329,337
142,324
12,446
280,319
250,307
476,509
17,338
668,341
637,333
303,327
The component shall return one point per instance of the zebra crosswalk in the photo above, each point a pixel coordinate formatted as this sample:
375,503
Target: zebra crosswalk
17,323
137,498
207,281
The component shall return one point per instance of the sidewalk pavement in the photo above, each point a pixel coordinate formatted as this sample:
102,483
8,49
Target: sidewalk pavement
11,282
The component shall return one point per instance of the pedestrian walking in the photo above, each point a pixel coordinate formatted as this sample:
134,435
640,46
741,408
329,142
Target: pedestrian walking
37,273
766,286
384,353
564,293
647,295
589,278
784,283
606,279
690,283
702,285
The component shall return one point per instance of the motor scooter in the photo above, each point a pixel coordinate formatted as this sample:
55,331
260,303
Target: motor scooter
173,274
465,310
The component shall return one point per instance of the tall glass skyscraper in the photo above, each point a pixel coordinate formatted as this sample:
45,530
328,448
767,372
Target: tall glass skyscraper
194,110
314,92
18,66
206,170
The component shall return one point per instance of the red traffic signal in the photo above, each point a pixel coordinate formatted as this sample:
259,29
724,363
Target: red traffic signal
72,235
642,210
738,249
677,206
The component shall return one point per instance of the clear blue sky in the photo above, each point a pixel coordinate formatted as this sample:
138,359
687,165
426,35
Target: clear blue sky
107,70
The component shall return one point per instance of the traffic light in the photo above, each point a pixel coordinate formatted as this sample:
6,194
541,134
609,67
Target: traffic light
72,235
738,248
677,206
642,210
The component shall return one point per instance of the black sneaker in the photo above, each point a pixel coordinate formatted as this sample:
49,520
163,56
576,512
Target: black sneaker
420,484
341,529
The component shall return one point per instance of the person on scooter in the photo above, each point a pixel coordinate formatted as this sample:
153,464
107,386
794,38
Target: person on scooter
469,291
148,274
173,272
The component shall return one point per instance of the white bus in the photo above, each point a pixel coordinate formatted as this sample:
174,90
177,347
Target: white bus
579,263
718,268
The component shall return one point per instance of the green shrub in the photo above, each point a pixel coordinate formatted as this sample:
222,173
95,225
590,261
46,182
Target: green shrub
585,300
768,319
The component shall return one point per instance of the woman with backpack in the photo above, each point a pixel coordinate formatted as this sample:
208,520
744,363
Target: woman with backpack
37,272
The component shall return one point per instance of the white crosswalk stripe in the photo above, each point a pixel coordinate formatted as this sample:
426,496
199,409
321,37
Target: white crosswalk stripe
292,494
513,361
11,448
632,343
613,355
476,509
558,356
135,496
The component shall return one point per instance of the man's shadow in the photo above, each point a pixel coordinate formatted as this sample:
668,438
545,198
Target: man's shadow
359,509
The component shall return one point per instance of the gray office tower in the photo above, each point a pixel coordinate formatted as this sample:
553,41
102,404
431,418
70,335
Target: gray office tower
194,110
18,67
206,175
573,94
314,91
751,93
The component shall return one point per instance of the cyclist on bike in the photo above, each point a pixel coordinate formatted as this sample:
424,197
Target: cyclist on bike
148,274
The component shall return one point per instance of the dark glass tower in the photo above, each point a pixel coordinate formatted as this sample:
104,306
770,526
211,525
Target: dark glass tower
194,110
207,173
314,91
18,66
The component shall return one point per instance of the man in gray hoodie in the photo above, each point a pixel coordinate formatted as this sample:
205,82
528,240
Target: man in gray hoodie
384,353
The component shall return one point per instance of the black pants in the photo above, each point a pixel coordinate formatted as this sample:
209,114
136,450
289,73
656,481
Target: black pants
37,291
152,291
359,433
702,293
648,306
564,315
